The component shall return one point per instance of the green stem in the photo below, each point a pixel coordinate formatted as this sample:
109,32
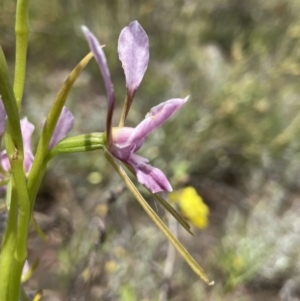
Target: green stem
16,163
14,148
15,283
10,268
22,33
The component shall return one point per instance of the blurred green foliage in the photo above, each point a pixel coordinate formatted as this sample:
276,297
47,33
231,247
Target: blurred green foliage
239,60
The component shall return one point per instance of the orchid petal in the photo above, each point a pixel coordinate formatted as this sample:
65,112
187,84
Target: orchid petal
133,49
64,125
155,118
101,60
151,177
2,117
27,129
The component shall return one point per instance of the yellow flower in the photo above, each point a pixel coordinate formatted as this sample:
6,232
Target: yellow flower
191,205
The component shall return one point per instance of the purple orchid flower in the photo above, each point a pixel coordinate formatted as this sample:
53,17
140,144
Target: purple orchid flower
124,142
63,126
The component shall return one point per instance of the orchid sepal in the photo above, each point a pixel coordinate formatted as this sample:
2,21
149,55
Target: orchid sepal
156,117
133,49
100,57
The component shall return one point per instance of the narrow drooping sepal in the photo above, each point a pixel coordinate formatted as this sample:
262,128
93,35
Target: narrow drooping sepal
133,49
64,125
151,177
155,118
27,129
99,55
2,117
